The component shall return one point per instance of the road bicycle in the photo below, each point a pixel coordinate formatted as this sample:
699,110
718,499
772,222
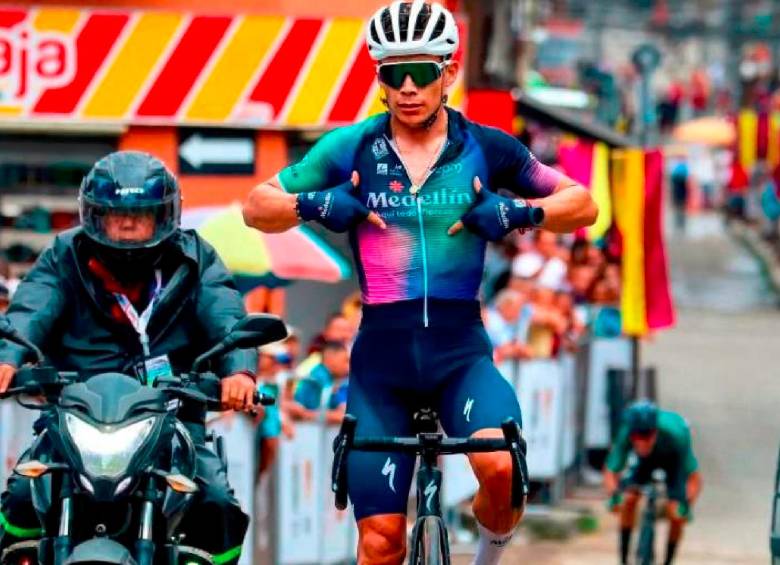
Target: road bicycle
429,541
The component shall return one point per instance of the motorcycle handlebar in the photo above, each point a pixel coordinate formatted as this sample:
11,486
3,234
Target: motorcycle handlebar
44,380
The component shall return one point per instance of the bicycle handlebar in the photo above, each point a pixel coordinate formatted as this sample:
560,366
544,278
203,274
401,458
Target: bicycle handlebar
512,442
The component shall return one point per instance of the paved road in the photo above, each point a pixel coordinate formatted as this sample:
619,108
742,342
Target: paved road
719,367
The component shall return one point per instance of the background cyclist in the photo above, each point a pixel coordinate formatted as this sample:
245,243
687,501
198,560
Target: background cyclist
658,439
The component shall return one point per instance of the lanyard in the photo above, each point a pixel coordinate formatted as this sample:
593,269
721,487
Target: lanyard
141,322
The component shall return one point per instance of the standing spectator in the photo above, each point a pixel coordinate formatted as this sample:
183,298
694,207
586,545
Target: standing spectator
271,377
337,329
770,204
507,324
326,385
736,188
680,181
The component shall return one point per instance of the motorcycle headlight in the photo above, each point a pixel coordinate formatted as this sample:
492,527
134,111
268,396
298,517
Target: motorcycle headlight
107,452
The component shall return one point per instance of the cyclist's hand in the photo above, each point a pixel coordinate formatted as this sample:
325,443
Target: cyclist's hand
615,502
337,208
238,392
7,373
492,216
679,510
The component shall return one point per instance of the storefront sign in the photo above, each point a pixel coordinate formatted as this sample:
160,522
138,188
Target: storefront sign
168,68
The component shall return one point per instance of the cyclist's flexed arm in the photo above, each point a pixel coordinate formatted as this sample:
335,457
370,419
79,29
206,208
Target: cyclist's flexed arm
269,208
566,204
322,187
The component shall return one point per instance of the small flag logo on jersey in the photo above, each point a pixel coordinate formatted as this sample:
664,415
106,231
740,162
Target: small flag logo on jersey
396,186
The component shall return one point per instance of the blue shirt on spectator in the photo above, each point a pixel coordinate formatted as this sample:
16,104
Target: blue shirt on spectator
309,391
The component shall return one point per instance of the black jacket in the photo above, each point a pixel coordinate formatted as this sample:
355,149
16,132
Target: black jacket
63,309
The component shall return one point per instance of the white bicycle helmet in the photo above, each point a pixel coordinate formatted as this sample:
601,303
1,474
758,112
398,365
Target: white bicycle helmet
412,28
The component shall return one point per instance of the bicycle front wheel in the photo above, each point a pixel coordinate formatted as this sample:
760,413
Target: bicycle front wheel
645,551
429,542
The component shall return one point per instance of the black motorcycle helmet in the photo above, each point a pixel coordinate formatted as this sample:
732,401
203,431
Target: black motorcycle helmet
129,184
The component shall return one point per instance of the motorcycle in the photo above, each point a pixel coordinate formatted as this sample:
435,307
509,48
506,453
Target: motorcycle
112,470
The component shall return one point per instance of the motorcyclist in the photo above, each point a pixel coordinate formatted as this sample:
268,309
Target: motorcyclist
129,291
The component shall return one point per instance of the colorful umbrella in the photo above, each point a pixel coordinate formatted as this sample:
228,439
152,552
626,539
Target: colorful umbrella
706,131
269,259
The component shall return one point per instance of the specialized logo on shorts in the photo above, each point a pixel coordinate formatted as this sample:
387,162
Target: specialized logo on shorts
389,471
395,186
381,169
379,148
467,409
429,492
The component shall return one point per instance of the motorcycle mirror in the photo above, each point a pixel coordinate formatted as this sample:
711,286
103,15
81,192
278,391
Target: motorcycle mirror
253,330
8,332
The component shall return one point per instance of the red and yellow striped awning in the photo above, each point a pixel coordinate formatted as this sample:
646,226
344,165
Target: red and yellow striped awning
158,67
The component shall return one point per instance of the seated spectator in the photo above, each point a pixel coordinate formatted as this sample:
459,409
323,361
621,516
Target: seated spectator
325,387
507,325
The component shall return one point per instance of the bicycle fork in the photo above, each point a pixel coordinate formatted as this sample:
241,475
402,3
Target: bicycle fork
429,488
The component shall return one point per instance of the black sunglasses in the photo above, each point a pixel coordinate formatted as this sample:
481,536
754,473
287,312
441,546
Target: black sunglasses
423,73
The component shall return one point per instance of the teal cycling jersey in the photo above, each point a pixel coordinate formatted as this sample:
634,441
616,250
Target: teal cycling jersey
672,452
415,258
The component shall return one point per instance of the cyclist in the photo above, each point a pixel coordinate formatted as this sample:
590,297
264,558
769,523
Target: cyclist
658,439
127,289
404,184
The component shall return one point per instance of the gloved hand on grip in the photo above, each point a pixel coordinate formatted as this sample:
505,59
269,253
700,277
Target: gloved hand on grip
492,216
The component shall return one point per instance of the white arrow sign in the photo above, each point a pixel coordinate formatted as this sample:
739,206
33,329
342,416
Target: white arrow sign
198,150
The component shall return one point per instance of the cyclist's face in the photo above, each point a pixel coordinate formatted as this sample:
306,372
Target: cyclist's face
643,444
411,104
131,228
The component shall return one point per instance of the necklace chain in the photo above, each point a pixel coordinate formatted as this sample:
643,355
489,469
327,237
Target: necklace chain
415,188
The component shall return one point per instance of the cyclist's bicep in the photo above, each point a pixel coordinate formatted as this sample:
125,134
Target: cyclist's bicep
513,167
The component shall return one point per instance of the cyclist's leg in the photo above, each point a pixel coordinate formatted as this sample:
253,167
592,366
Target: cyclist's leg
676,483
636,476
379,482
473,402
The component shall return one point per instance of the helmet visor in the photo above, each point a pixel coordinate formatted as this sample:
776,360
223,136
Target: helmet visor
423,73
130,227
